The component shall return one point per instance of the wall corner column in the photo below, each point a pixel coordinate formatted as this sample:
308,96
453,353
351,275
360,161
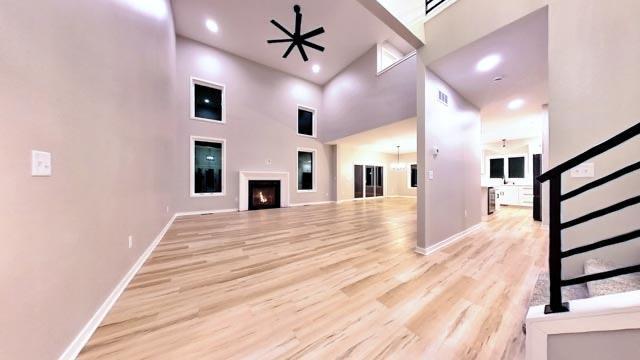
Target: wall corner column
421,204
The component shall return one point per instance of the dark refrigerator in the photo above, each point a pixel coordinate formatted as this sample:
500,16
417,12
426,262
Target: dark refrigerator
537,190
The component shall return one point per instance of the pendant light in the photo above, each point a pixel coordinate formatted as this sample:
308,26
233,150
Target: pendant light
397,166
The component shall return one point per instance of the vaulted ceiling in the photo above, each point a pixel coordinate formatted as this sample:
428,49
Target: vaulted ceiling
522,46
244,28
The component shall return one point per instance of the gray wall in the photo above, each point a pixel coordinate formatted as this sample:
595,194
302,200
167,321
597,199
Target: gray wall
447,204
347,157
399,182
91,82
594,50
261,125
357,99
598,345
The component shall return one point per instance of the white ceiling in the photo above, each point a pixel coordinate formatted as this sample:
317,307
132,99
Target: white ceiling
385,138
523,48
245,27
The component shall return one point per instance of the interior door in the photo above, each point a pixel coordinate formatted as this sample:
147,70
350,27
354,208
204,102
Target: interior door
357,181
378,180
369,181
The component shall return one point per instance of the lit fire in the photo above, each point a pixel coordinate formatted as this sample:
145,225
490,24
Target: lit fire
262,198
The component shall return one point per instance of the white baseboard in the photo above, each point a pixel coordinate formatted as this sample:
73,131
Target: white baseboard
402,196
205,212
448,241
312,203
83,337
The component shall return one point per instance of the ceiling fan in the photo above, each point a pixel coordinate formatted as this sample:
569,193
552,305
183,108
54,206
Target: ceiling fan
296,39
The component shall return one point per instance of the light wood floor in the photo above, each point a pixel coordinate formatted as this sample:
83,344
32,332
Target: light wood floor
326,282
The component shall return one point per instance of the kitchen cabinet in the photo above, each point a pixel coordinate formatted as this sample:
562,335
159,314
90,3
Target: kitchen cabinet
515,195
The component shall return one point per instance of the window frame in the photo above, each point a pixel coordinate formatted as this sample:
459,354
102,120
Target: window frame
409,176
504,166
524,166
382,47
314,173
192,144
314,121
193,81
505,159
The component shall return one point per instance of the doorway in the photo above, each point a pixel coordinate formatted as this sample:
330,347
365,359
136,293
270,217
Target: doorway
368,181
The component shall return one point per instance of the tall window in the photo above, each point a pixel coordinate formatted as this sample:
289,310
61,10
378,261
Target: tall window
306,121
207,101
516,167
207,166
413,181
509,167
496,168
306,168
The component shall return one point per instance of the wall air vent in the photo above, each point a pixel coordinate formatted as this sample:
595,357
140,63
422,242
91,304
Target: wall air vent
443,98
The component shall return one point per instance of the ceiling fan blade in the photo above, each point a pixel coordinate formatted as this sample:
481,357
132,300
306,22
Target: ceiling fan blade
281,28
279,41
286,53
302,52
312,45
298,22
313,33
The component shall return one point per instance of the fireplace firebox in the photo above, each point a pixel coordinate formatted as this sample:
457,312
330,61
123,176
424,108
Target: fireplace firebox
264,194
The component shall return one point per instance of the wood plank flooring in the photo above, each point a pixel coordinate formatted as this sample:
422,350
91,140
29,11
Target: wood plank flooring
326,282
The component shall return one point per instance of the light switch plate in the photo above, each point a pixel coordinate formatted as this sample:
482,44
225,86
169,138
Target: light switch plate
430,174
40,163
584,170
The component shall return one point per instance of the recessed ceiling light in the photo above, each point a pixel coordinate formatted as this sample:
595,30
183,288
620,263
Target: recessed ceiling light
515,104
488,62
315,68
212,26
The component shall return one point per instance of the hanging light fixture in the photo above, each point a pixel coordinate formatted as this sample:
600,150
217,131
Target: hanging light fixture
397,166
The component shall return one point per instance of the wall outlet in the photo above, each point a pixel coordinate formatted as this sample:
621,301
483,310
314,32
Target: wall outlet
430,174
130,241
584,170
268,162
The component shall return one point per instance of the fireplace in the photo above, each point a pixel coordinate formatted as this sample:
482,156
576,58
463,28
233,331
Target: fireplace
264,194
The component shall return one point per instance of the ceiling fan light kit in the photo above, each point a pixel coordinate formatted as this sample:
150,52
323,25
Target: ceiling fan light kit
297,39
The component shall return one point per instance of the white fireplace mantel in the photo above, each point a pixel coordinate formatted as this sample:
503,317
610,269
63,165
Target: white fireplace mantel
245,176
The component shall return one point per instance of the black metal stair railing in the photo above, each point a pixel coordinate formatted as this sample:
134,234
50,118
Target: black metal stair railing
556,226
431,5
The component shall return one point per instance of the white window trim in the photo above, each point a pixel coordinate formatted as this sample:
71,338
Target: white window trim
314,121
379,70
506,166
192,105
192,145
314,166
409,176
